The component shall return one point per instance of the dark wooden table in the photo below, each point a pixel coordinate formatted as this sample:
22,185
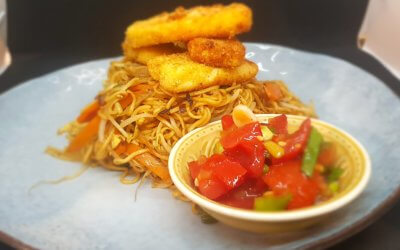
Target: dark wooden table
48,35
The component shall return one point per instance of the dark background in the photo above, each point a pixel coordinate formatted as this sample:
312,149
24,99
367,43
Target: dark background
46,35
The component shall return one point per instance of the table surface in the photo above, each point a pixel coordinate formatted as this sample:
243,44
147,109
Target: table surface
48,35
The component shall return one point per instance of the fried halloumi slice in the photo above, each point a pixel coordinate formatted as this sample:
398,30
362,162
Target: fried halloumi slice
216,52
178,73
144,54
216,21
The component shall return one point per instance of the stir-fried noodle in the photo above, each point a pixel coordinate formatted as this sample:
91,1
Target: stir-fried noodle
138,122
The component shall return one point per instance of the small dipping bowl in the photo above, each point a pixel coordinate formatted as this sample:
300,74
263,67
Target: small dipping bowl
353,158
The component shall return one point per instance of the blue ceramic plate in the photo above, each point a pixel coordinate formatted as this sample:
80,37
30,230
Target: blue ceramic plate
96,211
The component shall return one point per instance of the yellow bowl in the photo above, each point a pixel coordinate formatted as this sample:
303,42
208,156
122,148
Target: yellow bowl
354,159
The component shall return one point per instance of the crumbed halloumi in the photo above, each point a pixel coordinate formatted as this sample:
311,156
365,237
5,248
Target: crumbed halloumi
216,21
144,54
217,52
178,73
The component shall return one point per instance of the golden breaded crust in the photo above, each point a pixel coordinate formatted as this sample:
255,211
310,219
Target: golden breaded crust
216,52
178,73
216,21
144,54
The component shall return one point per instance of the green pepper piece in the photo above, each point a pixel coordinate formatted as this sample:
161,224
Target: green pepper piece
334,186
266,133
334,174
311,152
272,202
218,149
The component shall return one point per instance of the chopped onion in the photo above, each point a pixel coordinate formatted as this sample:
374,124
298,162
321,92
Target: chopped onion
243,115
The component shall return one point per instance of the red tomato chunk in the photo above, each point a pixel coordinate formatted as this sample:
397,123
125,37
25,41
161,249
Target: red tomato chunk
295,143
243,146
248,132
217,175
287,178
278,124
244,195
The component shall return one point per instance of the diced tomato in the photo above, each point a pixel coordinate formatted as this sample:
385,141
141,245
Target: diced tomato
195,166
236,136
230,173
219,166
250,154
194,169
217,175
244,195
278,124
242,145
295,143
287,178
327,155
212,188
205,173
227,122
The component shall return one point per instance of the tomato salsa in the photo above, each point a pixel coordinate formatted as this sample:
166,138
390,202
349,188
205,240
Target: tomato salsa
261,166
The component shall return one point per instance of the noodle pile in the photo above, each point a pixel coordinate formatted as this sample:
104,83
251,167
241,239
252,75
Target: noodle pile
141,122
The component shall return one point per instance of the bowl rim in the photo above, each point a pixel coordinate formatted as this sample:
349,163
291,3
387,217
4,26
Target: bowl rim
273,216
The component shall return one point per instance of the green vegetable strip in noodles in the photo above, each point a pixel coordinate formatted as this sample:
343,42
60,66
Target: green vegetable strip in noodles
311,152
